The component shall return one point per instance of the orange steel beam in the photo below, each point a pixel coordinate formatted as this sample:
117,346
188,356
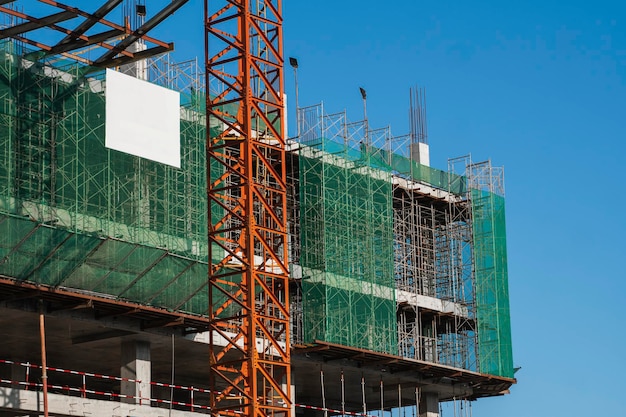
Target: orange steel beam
246,189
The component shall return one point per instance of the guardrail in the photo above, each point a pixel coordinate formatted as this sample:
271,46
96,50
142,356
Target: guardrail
85,389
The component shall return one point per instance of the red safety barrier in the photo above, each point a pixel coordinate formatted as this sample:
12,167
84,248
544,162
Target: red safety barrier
83,391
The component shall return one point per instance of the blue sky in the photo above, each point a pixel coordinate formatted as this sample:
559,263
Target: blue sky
540,88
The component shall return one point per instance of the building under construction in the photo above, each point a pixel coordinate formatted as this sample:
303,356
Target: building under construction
235,271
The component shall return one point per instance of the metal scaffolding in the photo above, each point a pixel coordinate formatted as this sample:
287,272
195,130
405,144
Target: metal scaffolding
368,224
492,289
107,222
335,189
433,259
346,235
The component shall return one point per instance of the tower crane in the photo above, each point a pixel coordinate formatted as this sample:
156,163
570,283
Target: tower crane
246,176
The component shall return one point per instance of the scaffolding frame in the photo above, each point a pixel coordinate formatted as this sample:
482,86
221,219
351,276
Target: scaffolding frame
433,258
104,222
492,290
433,237
346,235
144,217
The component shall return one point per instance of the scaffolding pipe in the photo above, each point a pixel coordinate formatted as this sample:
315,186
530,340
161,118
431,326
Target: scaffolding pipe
44,373
343,394
323,393
172,379
382,399
363,394
417,400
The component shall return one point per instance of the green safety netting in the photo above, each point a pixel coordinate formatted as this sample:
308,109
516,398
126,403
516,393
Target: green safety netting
347,253
384,160
492,289
105,221
57,168
35,252
444,180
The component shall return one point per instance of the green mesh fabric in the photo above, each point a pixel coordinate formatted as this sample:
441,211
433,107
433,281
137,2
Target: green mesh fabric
78,215
36,252
347,252
448,181
492,289
59,171
392,162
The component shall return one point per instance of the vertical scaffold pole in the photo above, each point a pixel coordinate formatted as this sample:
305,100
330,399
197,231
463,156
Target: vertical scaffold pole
343,395
44,364
417,400
323,393
382,399
363,395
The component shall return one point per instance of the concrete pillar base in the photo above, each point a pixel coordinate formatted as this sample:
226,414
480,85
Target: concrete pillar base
136,366
429,405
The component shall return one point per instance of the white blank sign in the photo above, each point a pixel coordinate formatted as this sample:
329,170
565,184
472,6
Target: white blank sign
142,119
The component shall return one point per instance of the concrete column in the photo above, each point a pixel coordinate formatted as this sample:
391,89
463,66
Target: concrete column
291,390
136,365
429,405
420,153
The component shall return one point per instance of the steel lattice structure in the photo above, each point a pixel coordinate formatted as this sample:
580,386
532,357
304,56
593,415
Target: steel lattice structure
113,45
248,281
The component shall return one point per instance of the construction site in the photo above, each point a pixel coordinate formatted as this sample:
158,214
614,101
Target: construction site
167,249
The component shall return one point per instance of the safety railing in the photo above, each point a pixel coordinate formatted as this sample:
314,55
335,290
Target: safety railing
89,385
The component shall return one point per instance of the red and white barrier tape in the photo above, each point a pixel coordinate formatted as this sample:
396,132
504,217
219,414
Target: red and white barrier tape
68,371
156,400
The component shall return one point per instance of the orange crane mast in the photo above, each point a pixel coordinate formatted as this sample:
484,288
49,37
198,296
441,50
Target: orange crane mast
246,188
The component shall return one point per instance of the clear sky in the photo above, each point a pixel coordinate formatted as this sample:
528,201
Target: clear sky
540,88
536,86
